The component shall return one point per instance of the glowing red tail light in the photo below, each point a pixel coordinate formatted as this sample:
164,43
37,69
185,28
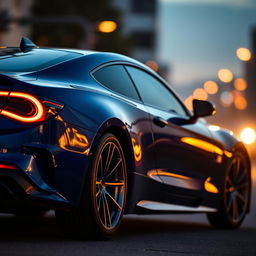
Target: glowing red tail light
26,108
7,166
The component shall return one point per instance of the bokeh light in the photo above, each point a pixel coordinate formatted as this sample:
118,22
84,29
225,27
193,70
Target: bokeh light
243,54
240,102
248,135
107,26
226,98
240,84
152,64
211,87
189,102
200,94
225,75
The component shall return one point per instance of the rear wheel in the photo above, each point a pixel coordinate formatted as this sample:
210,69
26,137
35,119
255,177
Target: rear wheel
236,195
103,201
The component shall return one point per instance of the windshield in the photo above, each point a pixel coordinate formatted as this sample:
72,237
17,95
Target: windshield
14,60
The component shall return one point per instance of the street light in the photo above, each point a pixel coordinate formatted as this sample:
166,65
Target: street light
225,75
243,54
200,94
107,26
211,87
240,84
248,135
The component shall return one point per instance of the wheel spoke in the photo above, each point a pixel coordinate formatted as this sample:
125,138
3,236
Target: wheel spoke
242,185
107,208
235,209
114,201
101,167
115,167
236,168
111,151
230,181
114,183
104,210
230,202
241,176
98,193
99,201
241,197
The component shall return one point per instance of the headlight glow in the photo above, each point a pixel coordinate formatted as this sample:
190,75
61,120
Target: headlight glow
248,135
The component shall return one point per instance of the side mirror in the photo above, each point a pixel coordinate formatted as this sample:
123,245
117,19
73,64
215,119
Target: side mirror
203,108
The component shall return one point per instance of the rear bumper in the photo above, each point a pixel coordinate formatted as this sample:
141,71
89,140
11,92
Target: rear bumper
17,191
51,163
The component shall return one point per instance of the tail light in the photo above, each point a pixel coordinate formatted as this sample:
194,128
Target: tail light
7,166
26,108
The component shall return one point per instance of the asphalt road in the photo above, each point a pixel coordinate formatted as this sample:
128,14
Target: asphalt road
139,235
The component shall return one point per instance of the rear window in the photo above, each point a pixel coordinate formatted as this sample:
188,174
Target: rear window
13,60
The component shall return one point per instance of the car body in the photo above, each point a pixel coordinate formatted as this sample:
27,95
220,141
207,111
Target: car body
175,162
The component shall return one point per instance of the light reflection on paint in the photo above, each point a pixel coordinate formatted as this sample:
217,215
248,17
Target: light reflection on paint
160,172
74,141
174,179
214,128
137,150
209,187
209,147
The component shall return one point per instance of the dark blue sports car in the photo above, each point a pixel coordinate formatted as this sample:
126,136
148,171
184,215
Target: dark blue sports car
96,135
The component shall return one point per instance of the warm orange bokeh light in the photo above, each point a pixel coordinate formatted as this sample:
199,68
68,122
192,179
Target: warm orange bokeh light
211,87
200,94
152,64
240,102
243,54
248,135
107,26
188,102
225,75
240,84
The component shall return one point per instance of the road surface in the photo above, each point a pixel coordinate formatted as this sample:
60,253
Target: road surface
139,235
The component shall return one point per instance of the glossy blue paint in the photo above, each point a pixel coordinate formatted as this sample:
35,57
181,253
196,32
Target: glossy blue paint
53,157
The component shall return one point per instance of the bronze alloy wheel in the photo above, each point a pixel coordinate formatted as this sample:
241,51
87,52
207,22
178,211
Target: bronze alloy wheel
235,198
237,190
110,183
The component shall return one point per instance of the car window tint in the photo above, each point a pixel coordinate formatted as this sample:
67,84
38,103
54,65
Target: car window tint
154,93
117,79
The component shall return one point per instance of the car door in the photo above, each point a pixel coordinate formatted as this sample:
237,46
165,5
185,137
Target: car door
184,150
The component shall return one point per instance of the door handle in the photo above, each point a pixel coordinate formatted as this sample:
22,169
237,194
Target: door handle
160,122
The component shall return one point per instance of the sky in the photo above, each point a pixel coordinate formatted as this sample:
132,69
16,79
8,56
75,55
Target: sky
199,37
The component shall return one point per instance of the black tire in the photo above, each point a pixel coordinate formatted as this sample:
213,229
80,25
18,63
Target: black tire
235,197
103,202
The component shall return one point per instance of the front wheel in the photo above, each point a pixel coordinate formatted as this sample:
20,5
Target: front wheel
100,212
236,195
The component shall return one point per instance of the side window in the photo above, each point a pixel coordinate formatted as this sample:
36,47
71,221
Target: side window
115,77
154,93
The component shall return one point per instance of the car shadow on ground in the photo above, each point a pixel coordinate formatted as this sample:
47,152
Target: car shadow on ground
46,228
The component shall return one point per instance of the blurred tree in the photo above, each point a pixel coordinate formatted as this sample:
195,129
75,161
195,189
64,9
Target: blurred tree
71,34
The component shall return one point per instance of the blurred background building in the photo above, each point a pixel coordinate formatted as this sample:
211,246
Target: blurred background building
11,31
209,46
